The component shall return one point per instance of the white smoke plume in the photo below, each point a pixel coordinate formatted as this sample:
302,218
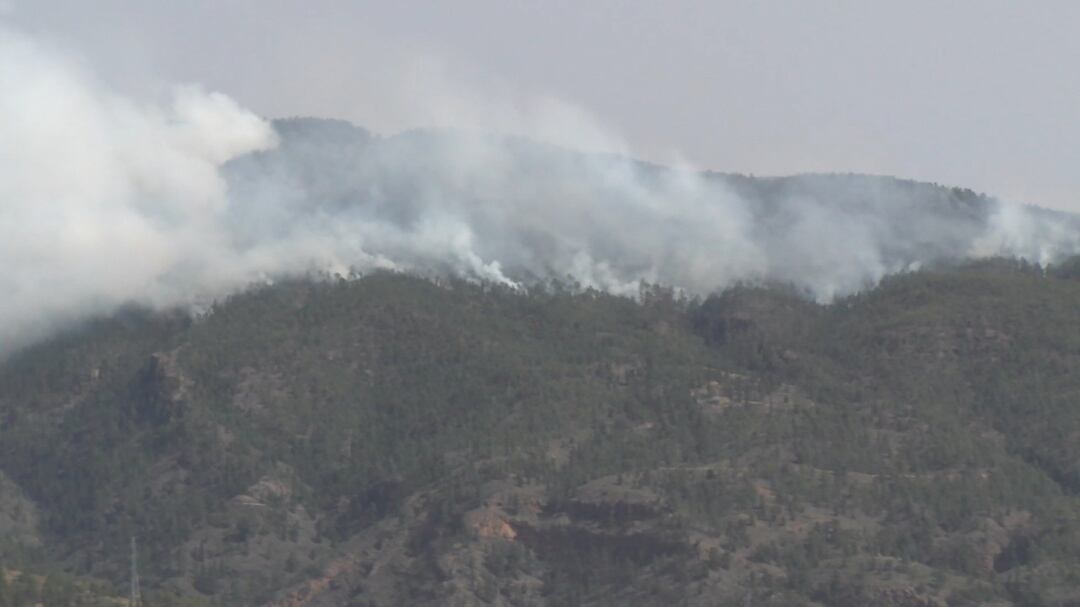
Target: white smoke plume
106,201
513,210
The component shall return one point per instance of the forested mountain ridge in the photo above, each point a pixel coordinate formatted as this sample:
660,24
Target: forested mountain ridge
385,439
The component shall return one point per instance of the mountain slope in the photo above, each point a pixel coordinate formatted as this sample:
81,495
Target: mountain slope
389,440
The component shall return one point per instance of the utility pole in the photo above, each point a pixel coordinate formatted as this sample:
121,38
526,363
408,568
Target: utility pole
136,598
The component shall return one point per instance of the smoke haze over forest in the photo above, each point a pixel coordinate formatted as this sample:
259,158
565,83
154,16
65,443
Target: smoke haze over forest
108,198
700,303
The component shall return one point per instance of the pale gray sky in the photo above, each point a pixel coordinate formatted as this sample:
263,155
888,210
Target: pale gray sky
982,94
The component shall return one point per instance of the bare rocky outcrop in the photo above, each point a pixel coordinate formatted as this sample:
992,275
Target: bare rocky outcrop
162,390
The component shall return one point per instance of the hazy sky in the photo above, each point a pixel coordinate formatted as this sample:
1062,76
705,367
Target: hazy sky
983,94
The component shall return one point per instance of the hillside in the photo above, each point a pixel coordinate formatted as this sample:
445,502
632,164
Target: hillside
390,440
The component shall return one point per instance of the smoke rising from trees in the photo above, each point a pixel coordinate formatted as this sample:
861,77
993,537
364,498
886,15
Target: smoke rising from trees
106,200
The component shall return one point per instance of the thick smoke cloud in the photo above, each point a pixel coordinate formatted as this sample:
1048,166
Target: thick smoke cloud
515,211
106,201
103,200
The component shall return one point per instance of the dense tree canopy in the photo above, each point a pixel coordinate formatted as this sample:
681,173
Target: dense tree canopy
394,440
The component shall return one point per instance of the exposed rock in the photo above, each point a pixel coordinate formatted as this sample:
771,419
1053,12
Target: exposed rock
487,523
161,389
